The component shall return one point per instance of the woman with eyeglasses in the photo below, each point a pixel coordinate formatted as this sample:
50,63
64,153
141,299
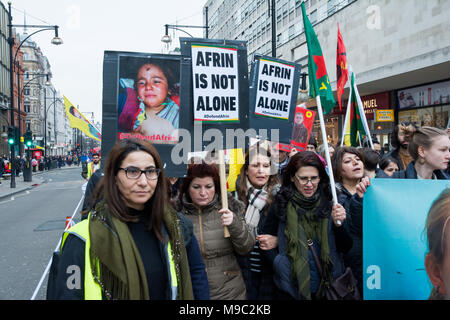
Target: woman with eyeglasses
133,246
200,202
351,184
301,216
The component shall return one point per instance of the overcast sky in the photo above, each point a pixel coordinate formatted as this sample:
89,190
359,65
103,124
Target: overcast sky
89,27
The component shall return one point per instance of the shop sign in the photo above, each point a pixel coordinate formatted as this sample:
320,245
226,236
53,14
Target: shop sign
370,104
385,115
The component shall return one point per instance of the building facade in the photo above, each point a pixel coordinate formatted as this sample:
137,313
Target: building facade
4,80
44,104
399,51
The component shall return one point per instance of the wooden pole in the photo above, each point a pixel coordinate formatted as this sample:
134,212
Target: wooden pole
223,188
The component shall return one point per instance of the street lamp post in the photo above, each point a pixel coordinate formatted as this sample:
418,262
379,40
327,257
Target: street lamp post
166,38
12,61
27,175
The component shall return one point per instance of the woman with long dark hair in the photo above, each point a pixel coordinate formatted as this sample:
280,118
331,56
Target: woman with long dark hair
351,185
133,245
257,187
302,216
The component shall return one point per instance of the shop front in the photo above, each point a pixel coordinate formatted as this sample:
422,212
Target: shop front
426,105
381,127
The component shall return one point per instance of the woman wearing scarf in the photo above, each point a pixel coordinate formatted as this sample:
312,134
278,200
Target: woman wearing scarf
303,213
200,202
133,245
257,187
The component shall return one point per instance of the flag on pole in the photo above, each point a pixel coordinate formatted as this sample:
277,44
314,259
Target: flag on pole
236,161
341,67
319,88
357,127
346,131
79,121
319,83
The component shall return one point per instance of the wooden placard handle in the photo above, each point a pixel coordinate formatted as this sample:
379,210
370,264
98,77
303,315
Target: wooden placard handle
223,188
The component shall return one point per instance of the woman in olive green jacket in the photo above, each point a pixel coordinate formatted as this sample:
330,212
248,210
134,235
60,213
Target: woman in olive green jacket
200,202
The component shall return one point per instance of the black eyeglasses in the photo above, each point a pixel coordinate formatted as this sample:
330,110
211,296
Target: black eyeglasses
305,180
135,173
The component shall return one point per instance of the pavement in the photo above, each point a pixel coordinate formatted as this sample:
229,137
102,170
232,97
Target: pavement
21,186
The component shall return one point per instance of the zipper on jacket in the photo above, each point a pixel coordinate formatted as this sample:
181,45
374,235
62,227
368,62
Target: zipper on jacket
202,245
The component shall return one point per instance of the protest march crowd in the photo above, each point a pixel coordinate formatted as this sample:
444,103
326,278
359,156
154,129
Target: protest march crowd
145,235
291,229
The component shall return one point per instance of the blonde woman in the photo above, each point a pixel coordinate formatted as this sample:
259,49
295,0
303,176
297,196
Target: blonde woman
437,261
429,148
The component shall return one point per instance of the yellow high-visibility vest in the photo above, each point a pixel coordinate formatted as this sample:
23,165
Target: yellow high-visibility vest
90,167
92,289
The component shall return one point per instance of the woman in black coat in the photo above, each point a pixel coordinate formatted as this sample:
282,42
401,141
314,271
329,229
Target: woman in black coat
303,216
351,184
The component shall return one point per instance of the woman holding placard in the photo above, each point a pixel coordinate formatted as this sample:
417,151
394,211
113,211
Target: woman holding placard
257,187
200,202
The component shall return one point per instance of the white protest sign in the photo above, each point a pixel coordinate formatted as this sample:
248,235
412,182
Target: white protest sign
274,89
215,83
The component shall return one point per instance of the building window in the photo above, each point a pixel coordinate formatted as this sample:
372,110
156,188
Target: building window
313,16
26,91
331,7
291,32
27,108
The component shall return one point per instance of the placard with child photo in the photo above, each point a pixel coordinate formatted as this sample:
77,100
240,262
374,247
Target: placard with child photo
149,103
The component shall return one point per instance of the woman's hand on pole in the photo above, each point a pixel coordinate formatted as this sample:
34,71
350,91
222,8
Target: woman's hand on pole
338,214
226,216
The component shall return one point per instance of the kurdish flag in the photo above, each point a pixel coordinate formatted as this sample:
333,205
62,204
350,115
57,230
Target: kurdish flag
319,83
79,121
357,127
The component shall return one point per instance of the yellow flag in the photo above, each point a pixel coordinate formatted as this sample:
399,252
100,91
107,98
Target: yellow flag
79,121
236,161
347,141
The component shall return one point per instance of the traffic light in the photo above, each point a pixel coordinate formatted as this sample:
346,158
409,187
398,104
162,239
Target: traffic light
11,136
28,138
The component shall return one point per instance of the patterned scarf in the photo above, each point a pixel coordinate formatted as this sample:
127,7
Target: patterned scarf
116,263
303,224
257,199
